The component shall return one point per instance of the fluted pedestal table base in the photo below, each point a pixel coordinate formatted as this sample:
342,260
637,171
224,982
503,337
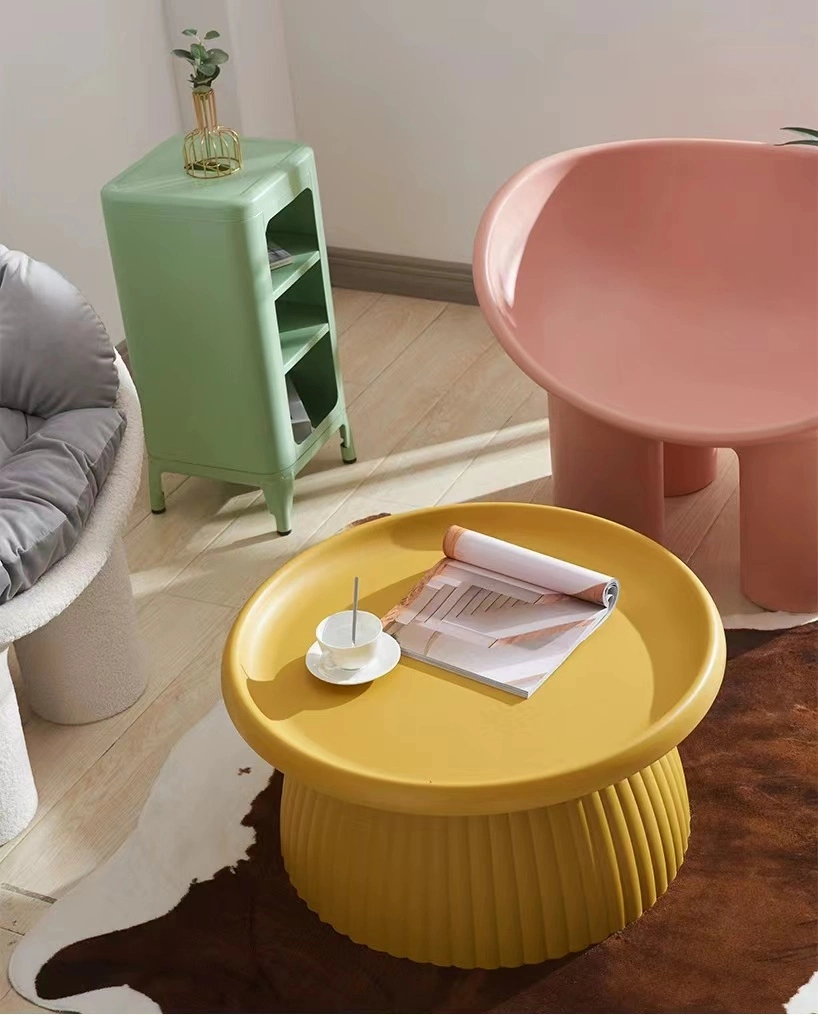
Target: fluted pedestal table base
488,890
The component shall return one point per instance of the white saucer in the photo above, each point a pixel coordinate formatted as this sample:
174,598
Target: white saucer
387,656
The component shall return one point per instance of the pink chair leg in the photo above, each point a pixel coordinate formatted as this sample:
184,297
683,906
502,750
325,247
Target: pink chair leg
779,524
688,469
605,471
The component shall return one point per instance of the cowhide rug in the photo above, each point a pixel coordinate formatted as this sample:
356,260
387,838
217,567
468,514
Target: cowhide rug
195,913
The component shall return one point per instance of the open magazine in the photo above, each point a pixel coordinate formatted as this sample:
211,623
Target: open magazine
500,613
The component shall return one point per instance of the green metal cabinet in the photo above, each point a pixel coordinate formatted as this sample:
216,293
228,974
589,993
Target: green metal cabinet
213,333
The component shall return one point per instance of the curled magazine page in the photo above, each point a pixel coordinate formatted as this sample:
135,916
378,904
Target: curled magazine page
529,566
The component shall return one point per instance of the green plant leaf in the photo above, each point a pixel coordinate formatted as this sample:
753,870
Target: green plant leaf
811,141
183,54
217,56
212,34
206,70
188,31
198,51
802,130
201,89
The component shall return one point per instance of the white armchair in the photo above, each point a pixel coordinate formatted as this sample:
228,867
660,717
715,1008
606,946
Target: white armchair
74,630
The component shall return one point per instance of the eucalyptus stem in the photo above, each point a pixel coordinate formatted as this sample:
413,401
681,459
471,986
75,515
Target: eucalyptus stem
206,63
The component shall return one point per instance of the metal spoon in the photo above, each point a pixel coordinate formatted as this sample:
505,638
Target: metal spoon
354,608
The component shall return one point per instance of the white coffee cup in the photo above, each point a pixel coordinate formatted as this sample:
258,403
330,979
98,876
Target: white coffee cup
334,635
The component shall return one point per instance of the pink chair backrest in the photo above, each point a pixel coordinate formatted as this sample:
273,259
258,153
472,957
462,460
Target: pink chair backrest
707,249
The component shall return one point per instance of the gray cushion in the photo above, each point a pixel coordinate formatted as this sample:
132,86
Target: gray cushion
54,351
47,490
59,430
15,427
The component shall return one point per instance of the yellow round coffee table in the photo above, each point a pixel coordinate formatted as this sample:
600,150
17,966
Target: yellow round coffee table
432,817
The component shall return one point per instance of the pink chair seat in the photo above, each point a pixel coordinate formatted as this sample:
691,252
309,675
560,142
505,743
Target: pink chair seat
663,291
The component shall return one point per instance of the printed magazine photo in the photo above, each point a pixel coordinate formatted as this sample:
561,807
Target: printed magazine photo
500,613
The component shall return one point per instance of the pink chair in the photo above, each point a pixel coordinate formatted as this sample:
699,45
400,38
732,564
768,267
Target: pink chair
665,294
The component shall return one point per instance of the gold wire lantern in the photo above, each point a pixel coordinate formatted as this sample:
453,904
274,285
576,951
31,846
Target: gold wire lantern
210,150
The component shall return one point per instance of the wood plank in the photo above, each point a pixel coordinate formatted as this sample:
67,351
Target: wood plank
688,518
357,507
12,1002
430,368
453,432
8,942
717,562
514,463
350,304
19,911
379,336
94,817
531,491
175,631
161,546
247,552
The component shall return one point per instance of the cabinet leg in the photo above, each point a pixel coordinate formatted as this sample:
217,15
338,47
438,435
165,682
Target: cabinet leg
278,496
347,445
155,491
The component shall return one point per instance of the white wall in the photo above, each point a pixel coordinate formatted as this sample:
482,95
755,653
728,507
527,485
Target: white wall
262,68
85,89
419,109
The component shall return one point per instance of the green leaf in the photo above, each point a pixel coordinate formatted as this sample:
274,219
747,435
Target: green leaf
201,89
204,75
212,34
802,130
188,31
198,51
217,56
183,54
805,140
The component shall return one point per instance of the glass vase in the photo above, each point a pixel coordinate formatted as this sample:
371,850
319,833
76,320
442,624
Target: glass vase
210,150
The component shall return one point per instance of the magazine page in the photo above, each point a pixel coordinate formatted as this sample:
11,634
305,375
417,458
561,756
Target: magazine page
498,629
528,565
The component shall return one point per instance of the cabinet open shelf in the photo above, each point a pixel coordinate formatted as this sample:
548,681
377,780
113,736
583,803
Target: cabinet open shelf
299,326
305,253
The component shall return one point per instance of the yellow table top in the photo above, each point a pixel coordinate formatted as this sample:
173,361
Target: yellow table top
422,740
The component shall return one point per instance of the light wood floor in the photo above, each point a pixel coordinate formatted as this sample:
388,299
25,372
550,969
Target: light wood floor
440,414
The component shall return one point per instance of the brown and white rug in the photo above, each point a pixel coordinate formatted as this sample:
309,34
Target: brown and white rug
195,913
